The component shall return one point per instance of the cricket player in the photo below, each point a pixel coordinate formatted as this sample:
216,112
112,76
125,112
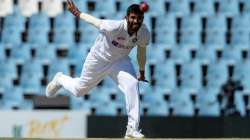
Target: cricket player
109,57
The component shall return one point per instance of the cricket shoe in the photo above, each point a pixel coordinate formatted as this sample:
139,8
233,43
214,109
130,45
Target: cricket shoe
133,133
53,86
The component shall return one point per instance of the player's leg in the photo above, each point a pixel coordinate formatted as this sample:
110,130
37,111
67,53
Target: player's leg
92,73
53,86
81,85
124,74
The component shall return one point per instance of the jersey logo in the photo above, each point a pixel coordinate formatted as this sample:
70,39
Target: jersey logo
115,43
120,38
118,45
134,40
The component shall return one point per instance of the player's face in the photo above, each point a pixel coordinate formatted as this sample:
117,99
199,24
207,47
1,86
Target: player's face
134,22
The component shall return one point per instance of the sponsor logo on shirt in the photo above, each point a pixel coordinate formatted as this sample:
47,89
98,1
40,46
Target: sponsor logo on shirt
118,45
120,38
134,40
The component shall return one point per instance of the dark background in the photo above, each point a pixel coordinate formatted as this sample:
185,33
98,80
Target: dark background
172,127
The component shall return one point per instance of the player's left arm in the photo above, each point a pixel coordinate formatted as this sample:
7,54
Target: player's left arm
142,51
84,16
141,58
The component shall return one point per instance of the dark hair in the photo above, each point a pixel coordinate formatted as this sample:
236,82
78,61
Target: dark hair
134,8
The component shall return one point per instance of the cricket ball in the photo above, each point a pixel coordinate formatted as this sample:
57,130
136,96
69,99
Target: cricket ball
144,7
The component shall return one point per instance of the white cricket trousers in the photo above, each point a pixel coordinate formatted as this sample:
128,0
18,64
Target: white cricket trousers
121,71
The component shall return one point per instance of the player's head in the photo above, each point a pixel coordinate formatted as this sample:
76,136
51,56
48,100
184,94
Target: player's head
134,17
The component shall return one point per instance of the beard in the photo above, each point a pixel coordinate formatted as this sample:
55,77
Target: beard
134,27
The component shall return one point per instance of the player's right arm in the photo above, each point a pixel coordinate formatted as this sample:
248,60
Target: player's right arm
84,16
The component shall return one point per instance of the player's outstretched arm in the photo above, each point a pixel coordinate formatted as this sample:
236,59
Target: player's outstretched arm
141,58
84,16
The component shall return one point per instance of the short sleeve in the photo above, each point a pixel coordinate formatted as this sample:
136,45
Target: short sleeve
109,26
144,37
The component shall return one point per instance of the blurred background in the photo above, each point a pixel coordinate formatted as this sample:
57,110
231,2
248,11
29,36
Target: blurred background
198,64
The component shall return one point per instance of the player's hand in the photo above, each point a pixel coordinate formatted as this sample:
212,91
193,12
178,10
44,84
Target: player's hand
142,77
73,9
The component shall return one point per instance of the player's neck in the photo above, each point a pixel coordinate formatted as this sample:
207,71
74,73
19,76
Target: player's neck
131,32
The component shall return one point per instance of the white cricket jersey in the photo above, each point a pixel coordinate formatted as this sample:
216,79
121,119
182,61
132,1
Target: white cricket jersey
114,42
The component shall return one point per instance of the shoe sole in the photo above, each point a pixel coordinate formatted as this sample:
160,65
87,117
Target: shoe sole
130,137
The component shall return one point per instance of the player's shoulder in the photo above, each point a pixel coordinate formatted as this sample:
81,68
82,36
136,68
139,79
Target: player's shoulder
144,27
111,25
144,31
143,36
113,22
